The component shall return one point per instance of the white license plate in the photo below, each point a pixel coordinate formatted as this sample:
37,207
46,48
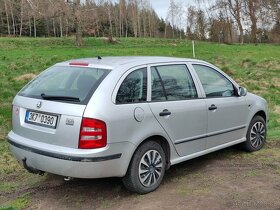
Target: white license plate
41,119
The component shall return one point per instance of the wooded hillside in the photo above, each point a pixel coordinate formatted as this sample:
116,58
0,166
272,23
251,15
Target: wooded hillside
226,21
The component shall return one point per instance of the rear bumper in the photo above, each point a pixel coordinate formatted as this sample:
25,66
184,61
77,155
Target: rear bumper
111,161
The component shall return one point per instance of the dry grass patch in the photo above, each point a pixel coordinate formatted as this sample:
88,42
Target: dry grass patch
269,65
276,81
25,77
2,135
277,109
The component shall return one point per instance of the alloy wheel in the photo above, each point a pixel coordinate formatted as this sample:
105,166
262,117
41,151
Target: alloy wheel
150,168
257,134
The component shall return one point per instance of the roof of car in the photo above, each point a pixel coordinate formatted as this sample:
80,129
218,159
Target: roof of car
113,62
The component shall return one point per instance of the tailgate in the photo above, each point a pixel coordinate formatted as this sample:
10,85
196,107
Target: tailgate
51,122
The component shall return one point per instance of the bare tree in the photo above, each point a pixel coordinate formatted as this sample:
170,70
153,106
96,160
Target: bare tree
133,13
76,7
12,16
235,7
7,16
219,20
172,15
191,15
21,17
253,6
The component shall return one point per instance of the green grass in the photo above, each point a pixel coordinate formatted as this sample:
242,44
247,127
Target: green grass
19,203
255,67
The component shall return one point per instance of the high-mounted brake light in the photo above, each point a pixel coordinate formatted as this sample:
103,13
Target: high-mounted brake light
78,64
93,134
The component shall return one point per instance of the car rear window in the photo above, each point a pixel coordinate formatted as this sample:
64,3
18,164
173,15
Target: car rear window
61,83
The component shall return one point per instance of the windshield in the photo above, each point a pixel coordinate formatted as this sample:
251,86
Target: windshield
67,84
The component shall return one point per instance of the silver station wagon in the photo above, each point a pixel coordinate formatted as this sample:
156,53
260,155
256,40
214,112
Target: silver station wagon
131,117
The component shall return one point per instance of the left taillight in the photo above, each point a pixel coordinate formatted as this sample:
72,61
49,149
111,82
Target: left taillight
93,134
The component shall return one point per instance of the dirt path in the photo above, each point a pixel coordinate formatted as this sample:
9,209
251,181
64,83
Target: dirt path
229,179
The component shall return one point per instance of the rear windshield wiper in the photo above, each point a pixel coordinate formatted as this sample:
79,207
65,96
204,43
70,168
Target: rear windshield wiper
59,98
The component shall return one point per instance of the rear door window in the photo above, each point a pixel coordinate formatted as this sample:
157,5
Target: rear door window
171,83
75,82
134,88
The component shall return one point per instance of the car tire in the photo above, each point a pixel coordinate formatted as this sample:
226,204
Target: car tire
256,134
146,168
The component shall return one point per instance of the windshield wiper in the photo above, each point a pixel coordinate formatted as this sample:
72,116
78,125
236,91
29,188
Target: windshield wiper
59,98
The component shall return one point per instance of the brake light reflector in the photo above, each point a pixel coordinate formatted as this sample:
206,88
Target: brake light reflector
93,134
78,64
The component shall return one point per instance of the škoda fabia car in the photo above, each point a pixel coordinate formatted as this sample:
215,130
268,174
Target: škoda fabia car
131,117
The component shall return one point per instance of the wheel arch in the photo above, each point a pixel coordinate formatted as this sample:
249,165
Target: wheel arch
260,113
164,144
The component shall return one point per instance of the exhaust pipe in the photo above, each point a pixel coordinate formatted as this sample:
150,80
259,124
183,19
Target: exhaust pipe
68,178
30,169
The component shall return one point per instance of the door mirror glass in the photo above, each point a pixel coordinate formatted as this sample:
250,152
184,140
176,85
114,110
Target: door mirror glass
242,91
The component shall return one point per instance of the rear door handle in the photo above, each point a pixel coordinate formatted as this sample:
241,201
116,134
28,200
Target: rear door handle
213,107
165,112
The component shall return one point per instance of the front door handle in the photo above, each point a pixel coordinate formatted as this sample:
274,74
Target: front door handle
213,107
165,112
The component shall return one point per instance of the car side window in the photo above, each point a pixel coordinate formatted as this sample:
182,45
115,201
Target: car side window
134,88
214,83
172,82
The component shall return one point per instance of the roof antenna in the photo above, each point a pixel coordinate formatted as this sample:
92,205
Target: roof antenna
99,57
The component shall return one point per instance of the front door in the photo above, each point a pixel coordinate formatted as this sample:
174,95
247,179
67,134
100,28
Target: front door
226,111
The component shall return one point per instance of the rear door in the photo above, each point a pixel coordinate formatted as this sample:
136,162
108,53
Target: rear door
176,105
227,112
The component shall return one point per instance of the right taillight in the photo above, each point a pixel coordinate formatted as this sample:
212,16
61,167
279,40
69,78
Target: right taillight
93,134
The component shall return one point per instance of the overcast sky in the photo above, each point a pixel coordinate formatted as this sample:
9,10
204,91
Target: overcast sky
161,6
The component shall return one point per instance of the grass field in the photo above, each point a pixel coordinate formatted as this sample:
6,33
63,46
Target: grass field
255,67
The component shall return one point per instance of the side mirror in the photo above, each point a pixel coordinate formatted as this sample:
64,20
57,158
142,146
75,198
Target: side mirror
242,91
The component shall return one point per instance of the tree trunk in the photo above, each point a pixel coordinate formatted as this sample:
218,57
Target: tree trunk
126,28
165,29
150,25
7,16
97,26
34,25
235,8
47,26
21,17
230,33
240,27
2,20
121,18
144,25
253,18
118,30
61,26
54,30
110,22
77,23
67,27
139,24
13,19
30,26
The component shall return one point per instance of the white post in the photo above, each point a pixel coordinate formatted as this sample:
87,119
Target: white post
193,50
